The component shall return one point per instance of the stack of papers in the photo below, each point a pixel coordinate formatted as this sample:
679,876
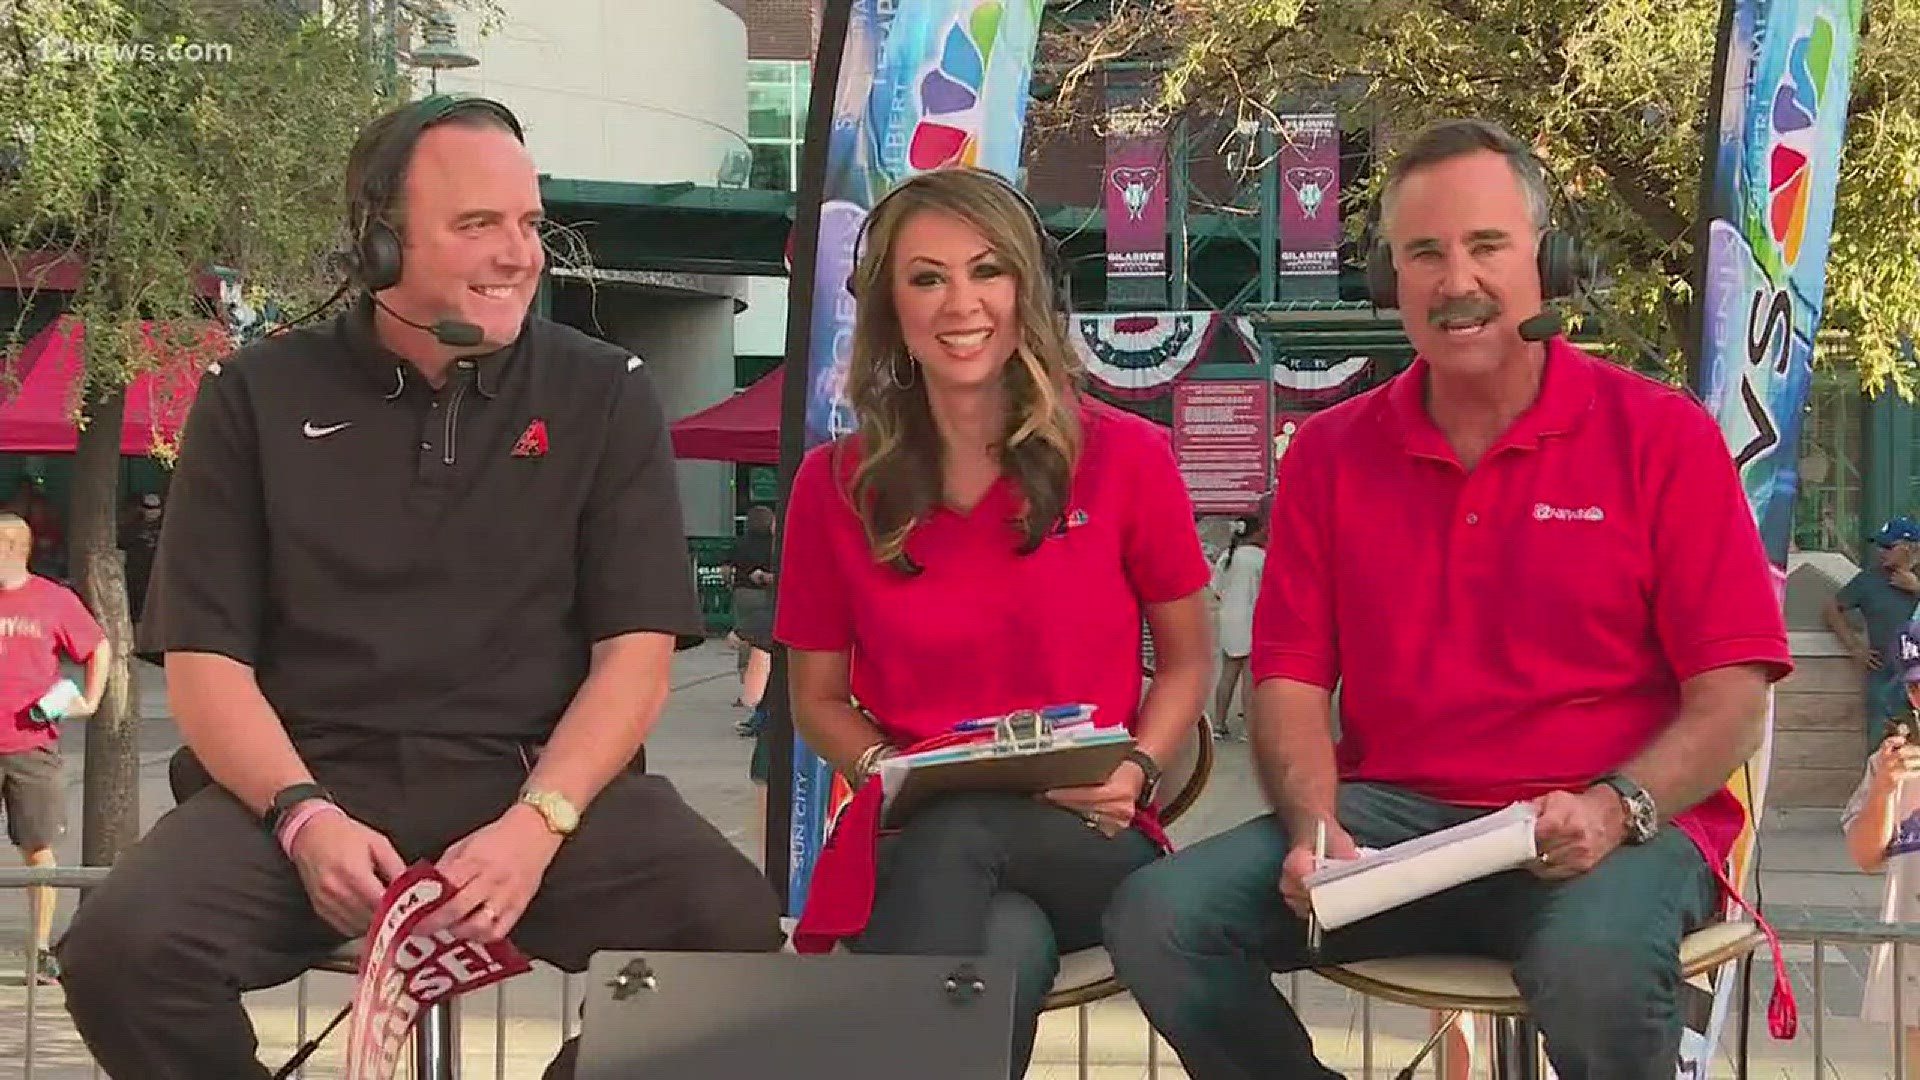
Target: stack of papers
1077,754
1350,890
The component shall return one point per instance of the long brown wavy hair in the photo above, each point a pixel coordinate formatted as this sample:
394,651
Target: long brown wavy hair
899,478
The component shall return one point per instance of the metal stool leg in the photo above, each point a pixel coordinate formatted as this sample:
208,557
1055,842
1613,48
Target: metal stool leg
1516,1049
433,1043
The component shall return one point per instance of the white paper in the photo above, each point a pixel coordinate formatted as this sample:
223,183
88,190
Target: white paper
1350,890
59,700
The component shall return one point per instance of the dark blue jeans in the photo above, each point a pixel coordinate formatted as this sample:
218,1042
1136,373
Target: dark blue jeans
1198,936
1004,876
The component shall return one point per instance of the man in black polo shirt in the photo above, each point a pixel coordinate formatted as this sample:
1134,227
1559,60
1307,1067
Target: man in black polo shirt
418,587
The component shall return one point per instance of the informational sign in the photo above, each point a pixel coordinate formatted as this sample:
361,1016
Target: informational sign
404,972
1223,439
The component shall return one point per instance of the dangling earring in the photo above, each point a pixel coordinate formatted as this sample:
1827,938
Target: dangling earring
893,371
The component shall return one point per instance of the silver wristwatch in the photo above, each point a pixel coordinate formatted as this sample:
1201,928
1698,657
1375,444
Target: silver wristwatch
1643,817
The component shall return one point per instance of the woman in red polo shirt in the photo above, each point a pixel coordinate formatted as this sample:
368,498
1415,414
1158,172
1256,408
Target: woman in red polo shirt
989,539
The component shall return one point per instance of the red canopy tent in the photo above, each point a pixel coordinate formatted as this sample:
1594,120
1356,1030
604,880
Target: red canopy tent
38,391
744,428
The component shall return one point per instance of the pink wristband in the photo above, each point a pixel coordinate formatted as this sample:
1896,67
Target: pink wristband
299,821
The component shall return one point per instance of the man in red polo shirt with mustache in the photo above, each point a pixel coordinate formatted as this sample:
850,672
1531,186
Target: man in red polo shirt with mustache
1580,614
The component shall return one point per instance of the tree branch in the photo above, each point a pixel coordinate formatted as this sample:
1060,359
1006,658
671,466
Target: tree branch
1632,183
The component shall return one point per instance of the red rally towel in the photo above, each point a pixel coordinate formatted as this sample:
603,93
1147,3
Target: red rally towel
840,897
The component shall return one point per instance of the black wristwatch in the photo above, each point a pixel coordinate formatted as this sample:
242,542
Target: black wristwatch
1151,769
1643,818
288,798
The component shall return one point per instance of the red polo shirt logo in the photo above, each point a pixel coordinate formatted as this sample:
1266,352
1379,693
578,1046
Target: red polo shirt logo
533,441
1545,512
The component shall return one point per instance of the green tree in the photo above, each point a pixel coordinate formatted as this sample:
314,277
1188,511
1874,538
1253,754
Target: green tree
1613,93
150,141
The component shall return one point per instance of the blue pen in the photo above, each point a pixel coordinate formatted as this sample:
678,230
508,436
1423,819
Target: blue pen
1053,714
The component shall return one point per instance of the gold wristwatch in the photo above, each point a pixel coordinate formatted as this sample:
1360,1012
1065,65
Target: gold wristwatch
560,815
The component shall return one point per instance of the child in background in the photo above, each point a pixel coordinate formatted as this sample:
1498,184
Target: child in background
1882,826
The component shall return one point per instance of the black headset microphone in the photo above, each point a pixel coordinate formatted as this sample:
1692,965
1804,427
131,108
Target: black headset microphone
451,332
1542,327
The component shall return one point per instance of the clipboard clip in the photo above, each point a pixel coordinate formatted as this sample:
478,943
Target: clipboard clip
1022,730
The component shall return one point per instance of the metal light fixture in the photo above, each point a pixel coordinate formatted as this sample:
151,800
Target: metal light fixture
440,45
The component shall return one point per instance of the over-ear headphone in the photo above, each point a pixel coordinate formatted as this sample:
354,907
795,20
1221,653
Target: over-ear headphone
1564,267
1565,264
375,257
1053,262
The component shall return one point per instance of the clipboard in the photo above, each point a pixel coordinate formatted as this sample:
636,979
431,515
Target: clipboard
1024,757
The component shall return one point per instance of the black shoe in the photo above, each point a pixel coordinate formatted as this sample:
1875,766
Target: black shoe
49,969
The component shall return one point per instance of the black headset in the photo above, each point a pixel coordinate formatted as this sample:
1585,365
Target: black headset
1565,264
374,259
1053,262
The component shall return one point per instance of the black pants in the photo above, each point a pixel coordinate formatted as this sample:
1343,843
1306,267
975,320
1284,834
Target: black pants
206,906
1002,876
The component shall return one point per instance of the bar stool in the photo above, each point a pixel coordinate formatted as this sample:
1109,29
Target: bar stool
433,1040
1456,984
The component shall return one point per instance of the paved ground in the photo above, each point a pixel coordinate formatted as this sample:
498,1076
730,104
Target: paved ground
1804,872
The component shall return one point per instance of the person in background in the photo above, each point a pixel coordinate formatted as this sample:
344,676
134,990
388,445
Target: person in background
1236,585
989,540
40,619
140,539
750,567
1885,595
753,570
1882,825
31,504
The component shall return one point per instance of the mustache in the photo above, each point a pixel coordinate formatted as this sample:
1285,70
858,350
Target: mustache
1463,308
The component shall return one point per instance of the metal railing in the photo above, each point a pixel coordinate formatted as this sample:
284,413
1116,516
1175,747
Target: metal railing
1821,933
81,878
1824,931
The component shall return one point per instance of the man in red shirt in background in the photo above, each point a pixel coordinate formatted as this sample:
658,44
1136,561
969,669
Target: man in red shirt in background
39,620
1579,614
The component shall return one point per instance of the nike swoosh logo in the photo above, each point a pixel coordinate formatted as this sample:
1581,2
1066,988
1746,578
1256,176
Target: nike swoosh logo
313,431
